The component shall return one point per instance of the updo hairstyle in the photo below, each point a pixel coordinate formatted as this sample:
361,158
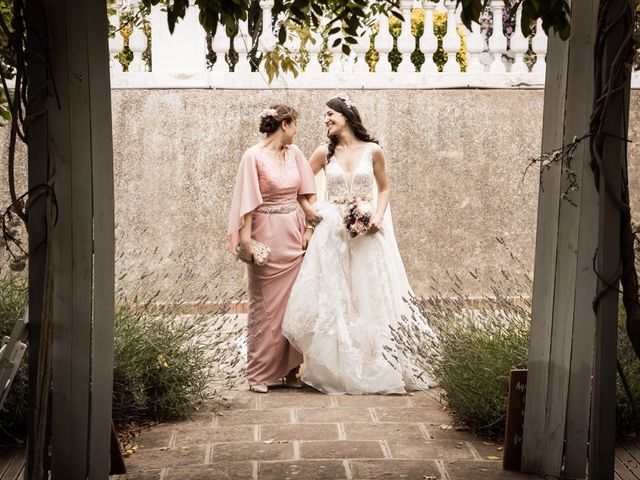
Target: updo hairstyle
272,117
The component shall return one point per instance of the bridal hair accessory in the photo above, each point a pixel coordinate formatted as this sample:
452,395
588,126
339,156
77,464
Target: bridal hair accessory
268,112
261,253
345,99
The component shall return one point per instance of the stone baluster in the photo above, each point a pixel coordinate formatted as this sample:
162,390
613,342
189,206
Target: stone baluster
220,46
314,48
137,45
336,51
267,40
539,46
451,41
383,45
519,45
242,45
360,49
475,47
116,44
406,40
497,41
428,41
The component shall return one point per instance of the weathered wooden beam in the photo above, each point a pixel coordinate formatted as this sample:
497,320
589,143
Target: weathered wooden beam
569,346
80,147
38,172
545,258
618,21
103,241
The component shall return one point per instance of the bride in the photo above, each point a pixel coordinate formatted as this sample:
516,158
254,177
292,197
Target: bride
346,309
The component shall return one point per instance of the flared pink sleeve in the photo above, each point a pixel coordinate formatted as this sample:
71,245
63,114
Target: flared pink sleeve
307,179
246,197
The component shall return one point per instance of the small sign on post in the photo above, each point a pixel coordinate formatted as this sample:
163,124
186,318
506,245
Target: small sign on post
515,420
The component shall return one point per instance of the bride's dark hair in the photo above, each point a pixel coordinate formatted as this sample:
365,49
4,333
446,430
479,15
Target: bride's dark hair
355,122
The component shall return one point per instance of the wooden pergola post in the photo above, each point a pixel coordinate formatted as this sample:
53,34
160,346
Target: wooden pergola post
570,403
70,144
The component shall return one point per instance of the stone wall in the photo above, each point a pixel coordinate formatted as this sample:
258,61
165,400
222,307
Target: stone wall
455,158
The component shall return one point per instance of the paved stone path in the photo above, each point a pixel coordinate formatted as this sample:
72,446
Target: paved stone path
305,435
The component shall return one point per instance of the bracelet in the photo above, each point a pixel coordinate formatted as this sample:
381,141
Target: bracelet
311,227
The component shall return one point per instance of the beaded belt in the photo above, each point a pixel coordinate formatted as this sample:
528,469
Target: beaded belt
278,209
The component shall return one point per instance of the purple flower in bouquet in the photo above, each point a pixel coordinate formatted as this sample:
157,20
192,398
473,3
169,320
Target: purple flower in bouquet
357,216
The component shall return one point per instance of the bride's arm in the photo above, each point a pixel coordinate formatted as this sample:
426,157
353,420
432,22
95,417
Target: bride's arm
380,173
318,159
316,162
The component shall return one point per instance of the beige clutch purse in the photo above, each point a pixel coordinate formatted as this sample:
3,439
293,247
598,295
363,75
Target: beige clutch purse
261,253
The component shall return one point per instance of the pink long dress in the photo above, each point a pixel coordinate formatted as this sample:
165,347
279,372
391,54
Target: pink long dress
270,192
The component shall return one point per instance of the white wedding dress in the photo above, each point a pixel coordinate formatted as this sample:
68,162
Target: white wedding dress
348,298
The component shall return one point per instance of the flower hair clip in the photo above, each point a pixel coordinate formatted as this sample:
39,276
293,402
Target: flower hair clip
268,112
345,99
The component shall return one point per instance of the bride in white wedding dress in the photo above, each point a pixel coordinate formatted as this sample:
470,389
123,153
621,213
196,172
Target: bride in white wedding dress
349,296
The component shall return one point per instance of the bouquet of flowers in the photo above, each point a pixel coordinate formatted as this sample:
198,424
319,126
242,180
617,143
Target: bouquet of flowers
358,213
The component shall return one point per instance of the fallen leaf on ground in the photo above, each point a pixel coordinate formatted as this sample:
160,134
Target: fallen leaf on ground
499,449
445,426
271,440
493,457
220,414
488,443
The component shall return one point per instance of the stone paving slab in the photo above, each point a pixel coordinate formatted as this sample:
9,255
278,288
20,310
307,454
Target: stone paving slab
305,435
342,449
394,469
252,451
303,470
481,470
205,436
166,457
316,431
217,471
384,431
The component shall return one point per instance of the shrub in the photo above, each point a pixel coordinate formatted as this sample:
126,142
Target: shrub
627,420
166,361
477,348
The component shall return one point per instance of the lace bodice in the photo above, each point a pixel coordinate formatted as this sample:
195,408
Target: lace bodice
342,185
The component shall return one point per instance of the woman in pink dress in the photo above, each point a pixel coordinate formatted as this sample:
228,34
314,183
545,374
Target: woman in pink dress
273,178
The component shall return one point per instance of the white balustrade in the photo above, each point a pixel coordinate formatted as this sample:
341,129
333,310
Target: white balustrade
475,46
220,46
451,41
116,44
497,41
314,46
539,46
267,40
137,44
519,45
242,46
428,41
406,40
383,45
336,52
360,49
184,52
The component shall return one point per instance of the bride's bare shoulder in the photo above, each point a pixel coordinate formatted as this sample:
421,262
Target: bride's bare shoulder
320,153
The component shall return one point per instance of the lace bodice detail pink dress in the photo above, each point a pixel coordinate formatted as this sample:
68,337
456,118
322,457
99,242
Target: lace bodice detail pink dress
270,192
